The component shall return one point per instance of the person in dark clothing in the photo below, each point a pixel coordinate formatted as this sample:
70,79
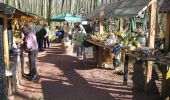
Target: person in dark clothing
60,34
41,37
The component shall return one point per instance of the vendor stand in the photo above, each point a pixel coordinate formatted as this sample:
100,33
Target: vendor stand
12,22
103,51
124,9
116,10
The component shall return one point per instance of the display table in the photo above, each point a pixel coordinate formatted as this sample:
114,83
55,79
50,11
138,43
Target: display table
162,61
103,52
15,73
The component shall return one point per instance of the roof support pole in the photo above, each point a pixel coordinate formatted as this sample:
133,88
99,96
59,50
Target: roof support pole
6,46
101,28
165,69
49,13
167,33
152,29
6,54
3,88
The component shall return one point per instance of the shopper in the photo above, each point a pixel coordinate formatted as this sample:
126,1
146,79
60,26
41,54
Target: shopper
31,47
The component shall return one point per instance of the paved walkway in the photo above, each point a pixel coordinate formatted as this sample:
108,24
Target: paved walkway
62,77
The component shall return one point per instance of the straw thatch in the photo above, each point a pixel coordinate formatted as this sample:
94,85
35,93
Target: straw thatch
121,8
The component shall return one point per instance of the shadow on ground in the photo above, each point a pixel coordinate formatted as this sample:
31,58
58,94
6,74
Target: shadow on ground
75,86
62,79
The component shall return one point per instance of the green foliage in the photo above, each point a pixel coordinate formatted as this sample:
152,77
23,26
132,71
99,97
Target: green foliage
110,25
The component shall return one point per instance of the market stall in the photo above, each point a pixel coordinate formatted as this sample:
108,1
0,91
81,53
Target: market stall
135,41
13,19
114,11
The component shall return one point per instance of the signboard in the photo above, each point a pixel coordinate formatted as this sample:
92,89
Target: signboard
84,22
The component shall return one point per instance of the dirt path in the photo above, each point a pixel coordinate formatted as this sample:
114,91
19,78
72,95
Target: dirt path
62,77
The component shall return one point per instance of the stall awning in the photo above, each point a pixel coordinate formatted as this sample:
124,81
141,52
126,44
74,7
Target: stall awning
165,7
16,12
124,8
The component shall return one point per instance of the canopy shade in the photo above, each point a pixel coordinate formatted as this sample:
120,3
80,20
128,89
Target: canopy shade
123,8
16,12
165,7
67,17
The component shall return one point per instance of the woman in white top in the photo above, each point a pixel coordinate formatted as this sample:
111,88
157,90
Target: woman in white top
47,36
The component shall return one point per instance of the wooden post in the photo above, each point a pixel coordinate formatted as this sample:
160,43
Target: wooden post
6,46
49,13
125,76
166,70
121,24
101,28
167,33
100,57
3,88
6,54
151,44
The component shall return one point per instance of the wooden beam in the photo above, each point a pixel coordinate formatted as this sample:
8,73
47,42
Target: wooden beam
5,41
167,33
6,53
121,24
101,28
49,13
3,86
151,44
125,75
166,70
6,46
152,27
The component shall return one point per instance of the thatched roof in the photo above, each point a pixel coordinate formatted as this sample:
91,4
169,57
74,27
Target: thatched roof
123,8
165,7
16,13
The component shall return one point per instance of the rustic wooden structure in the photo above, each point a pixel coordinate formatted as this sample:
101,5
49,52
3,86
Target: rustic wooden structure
6,13
165,8
3,30
151,43
101,27
103,52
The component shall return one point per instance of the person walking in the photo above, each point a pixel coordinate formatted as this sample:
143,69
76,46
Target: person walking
40,34
79,37
31,47
47,36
